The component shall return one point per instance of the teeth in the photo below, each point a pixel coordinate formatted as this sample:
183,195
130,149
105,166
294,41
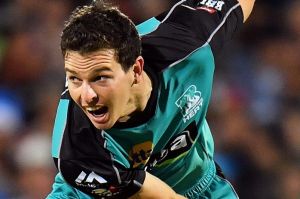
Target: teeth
92,108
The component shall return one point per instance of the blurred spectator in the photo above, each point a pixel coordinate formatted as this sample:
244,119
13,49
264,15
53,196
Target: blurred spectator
292,19
11,119
289,182
35,170
254,114
291,134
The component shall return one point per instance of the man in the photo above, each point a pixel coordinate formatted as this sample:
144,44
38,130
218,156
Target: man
132,124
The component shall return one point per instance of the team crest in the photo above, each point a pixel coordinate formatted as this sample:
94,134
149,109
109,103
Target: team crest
190,102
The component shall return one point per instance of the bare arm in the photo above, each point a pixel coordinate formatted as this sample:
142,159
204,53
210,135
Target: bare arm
247,6
154,188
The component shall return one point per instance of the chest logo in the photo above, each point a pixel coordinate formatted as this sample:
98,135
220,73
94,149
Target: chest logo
140,153
189,103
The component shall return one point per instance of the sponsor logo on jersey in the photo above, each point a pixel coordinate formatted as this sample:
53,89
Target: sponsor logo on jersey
210,6
90,180
177,146
190,103
105,192
96,184
140,153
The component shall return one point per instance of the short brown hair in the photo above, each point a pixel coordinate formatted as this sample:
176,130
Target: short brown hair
102,26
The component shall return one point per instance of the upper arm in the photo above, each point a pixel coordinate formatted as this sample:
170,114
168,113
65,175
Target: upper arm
189,26
247,6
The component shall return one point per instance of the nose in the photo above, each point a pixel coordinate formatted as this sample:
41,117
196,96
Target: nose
88,95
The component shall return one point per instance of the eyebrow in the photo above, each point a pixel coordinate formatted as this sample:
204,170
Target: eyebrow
69,70
102,69
94,71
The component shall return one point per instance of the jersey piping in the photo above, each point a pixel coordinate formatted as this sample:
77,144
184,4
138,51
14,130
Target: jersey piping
59,126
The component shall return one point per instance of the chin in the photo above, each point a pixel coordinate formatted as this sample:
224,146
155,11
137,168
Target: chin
102,126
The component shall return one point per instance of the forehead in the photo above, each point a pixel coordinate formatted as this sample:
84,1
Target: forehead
104,57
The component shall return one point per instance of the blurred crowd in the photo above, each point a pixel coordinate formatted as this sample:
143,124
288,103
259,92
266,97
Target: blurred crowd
254,113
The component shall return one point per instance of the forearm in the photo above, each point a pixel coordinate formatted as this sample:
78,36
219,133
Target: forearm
154,188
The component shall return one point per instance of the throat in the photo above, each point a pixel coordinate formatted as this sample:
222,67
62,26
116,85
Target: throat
133,109
147,104
138,103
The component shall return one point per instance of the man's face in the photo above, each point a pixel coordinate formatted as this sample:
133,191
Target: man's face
99,85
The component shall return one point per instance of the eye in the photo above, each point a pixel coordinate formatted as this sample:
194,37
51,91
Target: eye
100,78
74,79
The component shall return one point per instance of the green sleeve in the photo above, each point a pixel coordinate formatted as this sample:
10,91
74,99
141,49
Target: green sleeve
62,190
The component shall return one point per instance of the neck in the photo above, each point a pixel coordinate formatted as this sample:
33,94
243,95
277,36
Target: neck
141,93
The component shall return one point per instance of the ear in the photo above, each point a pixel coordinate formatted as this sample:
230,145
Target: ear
138,68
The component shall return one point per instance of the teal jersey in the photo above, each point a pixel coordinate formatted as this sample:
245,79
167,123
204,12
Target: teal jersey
176,142
171,139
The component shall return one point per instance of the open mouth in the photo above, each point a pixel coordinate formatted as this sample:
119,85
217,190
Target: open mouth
97,111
